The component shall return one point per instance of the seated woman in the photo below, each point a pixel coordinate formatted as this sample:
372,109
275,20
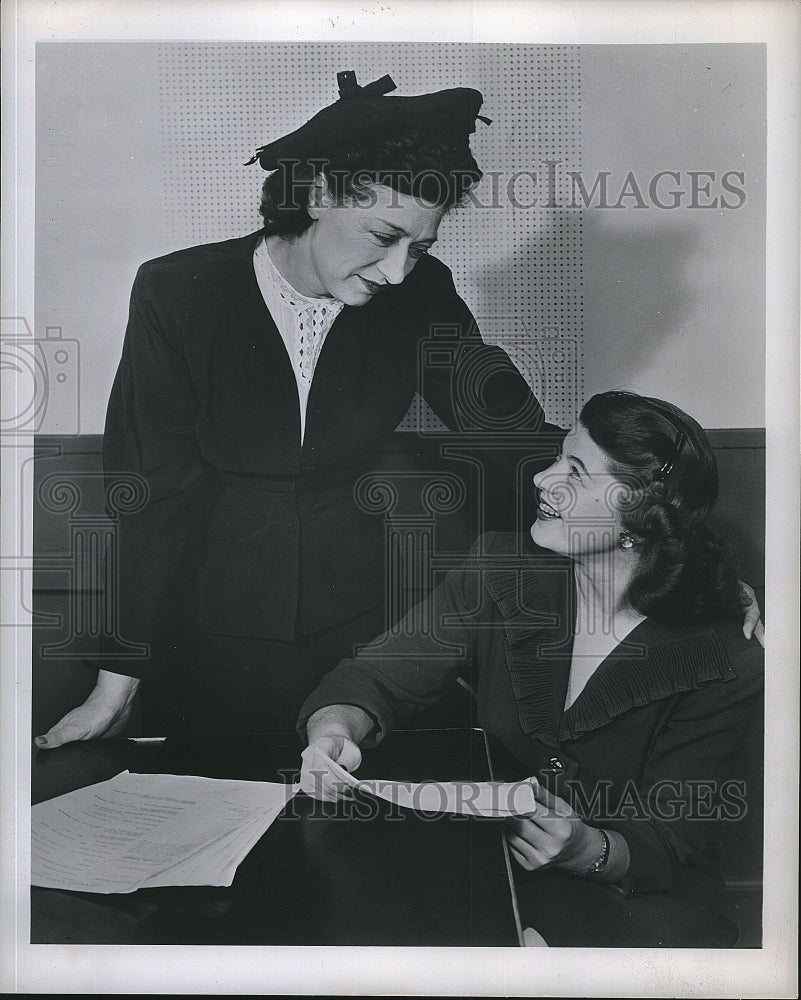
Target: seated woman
612,668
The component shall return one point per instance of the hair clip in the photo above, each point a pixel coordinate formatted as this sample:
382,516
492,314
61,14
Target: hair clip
673,457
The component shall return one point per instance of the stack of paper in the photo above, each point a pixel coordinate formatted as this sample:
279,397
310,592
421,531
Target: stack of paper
143,830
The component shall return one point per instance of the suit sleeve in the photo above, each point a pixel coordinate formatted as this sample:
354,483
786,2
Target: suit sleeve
408,669
473,387
687,785
485,402
149,436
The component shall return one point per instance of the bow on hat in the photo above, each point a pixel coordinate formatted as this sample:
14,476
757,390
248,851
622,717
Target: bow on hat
367,113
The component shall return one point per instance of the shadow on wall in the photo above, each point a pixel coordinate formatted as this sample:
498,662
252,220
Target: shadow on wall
604,294
541,271
639,292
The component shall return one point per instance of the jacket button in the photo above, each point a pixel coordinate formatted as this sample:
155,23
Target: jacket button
555,766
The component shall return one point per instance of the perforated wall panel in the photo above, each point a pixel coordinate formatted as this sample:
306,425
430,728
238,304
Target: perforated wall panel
516,258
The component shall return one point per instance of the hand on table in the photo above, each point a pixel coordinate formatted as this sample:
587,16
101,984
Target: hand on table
104,714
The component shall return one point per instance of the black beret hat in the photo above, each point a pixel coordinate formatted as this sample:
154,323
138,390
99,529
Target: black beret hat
366,113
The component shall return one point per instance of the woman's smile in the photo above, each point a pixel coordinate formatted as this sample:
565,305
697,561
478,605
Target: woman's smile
576,491
544,509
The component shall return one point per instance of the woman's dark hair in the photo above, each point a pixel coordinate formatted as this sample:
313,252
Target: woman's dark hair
414,164
663,458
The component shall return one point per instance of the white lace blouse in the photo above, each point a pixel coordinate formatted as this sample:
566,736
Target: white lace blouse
303,322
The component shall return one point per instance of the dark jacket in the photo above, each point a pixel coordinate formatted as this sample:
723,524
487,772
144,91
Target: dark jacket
647,746
244,530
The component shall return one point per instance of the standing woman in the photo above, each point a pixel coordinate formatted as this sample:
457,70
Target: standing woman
260,378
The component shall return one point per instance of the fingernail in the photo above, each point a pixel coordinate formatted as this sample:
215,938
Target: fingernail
41,741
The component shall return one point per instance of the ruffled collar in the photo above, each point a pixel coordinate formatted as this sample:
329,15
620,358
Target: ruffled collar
535,595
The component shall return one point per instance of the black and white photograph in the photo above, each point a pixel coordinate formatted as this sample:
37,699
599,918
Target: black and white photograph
400,453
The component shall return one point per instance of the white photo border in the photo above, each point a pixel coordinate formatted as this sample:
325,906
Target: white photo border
766,972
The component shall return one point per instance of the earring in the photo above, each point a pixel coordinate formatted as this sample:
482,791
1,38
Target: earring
626,540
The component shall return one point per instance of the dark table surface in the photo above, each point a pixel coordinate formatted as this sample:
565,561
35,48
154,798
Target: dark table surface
351,873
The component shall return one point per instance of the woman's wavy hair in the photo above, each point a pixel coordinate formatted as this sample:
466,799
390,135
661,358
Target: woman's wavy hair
663,457
416,164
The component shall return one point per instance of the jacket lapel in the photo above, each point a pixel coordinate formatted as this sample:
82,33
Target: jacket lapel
339,368
536,600
652,663
271,362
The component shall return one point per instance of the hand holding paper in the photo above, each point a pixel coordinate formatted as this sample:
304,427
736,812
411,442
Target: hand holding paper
324,778
321,782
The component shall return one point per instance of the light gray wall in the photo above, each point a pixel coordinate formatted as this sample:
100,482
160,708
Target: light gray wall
140,150
99,199
675,298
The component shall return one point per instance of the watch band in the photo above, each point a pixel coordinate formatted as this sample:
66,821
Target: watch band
602,859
